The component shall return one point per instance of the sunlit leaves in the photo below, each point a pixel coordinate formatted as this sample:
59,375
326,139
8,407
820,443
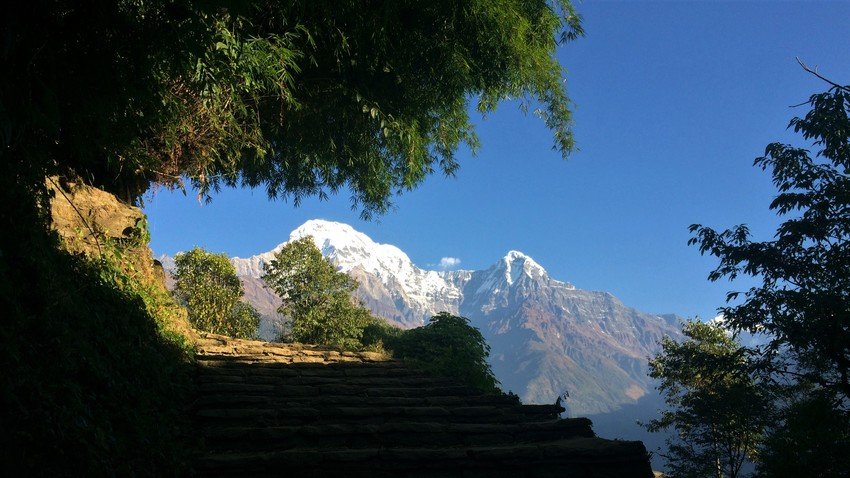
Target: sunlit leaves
207,285
717,407
300,98
316,298
451,346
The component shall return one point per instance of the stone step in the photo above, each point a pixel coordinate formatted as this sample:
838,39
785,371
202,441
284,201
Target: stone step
224,399
376,415
264,401
295,357
425,435
572,458
377,369
403,380
217,344
375,390
269,409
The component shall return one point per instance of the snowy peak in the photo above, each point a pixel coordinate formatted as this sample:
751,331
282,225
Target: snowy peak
331,236
510,273
516,264
349,248
425,292
345,246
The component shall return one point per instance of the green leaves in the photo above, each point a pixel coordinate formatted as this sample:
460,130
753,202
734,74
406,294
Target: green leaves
316,298
303,99
207,285
718,408
450,346
802,301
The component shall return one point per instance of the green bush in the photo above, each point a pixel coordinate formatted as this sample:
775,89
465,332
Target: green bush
812,439
448,345
209,287
379,335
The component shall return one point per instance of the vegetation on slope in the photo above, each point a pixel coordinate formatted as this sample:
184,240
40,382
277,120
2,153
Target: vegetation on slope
94,364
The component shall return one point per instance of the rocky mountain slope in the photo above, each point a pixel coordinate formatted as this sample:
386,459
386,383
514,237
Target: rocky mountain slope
547,337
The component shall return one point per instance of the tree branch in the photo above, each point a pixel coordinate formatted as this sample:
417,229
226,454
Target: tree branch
815,72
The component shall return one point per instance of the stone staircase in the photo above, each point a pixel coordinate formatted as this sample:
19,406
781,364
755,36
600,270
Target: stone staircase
267,409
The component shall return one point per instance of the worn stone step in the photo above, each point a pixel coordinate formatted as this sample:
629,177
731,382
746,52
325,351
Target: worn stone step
225,399
383,414
230,366
545,410
425,435
378,405
295,357
377,390
572,458
403,380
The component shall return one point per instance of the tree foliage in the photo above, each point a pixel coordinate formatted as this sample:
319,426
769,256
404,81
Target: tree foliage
207,284
812,440
449,345
300,97
717,408
802,302
316,297
380,335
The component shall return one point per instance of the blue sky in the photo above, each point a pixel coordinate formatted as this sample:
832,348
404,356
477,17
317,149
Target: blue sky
674,100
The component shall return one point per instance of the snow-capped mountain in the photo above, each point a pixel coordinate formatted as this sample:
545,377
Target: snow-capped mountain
382,270
546,336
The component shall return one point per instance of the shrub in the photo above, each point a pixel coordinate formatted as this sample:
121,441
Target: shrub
450,346
379,335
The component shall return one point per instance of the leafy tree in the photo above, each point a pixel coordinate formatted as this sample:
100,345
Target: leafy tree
803,300
316,297
448,344
300,97
717,408
208,285
304,98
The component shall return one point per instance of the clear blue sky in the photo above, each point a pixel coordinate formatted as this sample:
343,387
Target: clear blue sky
674,100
